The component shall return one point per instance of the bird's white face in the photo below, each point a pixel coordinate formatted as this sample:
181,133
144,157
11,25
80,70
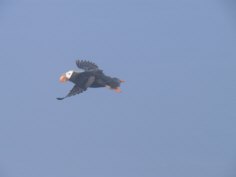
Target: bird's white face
66,76
69,74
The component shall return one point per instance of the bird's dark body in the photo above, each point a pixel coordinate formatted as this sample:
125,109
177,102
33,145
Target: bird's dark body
100,79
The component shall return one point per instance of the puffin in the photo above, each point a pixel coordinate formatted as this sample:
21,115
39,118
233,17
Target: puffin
89,75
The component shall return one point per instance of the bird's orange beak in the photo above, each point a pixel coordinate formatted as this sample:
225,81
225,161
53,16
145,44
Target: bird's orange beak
63,78
122,81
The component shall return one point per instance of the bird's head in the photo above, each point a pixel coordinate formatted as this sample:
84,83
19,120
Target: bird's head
66,76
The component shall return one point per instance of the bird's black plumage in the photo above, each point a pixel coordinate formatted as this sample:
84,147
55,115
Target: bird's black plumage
92,77
86,65
75,90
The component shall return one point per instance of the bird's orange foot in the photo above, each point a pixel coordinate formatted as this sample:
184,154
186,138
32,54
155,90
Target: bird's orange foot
117,90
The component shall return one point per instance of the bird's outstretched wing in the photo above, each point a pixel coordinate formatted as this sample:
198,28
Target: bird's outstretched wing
86,65
77,89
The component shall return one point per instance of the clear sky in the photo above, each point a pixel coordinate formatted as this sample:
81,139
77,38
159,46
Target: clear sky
176,115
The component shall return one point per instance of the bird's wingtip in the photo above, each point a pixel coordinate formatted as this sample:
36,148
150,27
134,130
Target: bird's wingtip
60,98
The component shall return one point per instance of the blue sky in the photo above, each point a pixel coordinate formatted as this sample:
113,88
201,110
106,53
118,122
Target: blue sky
175,116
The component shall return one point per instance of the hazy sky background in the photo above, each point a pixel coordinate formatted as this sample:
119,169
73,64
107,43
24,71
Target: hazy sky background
176,115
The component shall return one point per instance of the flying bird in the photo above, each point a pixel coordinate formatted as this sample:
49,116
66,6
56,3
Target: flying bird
89,75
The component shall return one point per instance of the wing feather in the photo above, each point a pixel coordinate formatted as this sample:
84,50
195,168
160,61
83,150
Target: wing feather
77,88
86,65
